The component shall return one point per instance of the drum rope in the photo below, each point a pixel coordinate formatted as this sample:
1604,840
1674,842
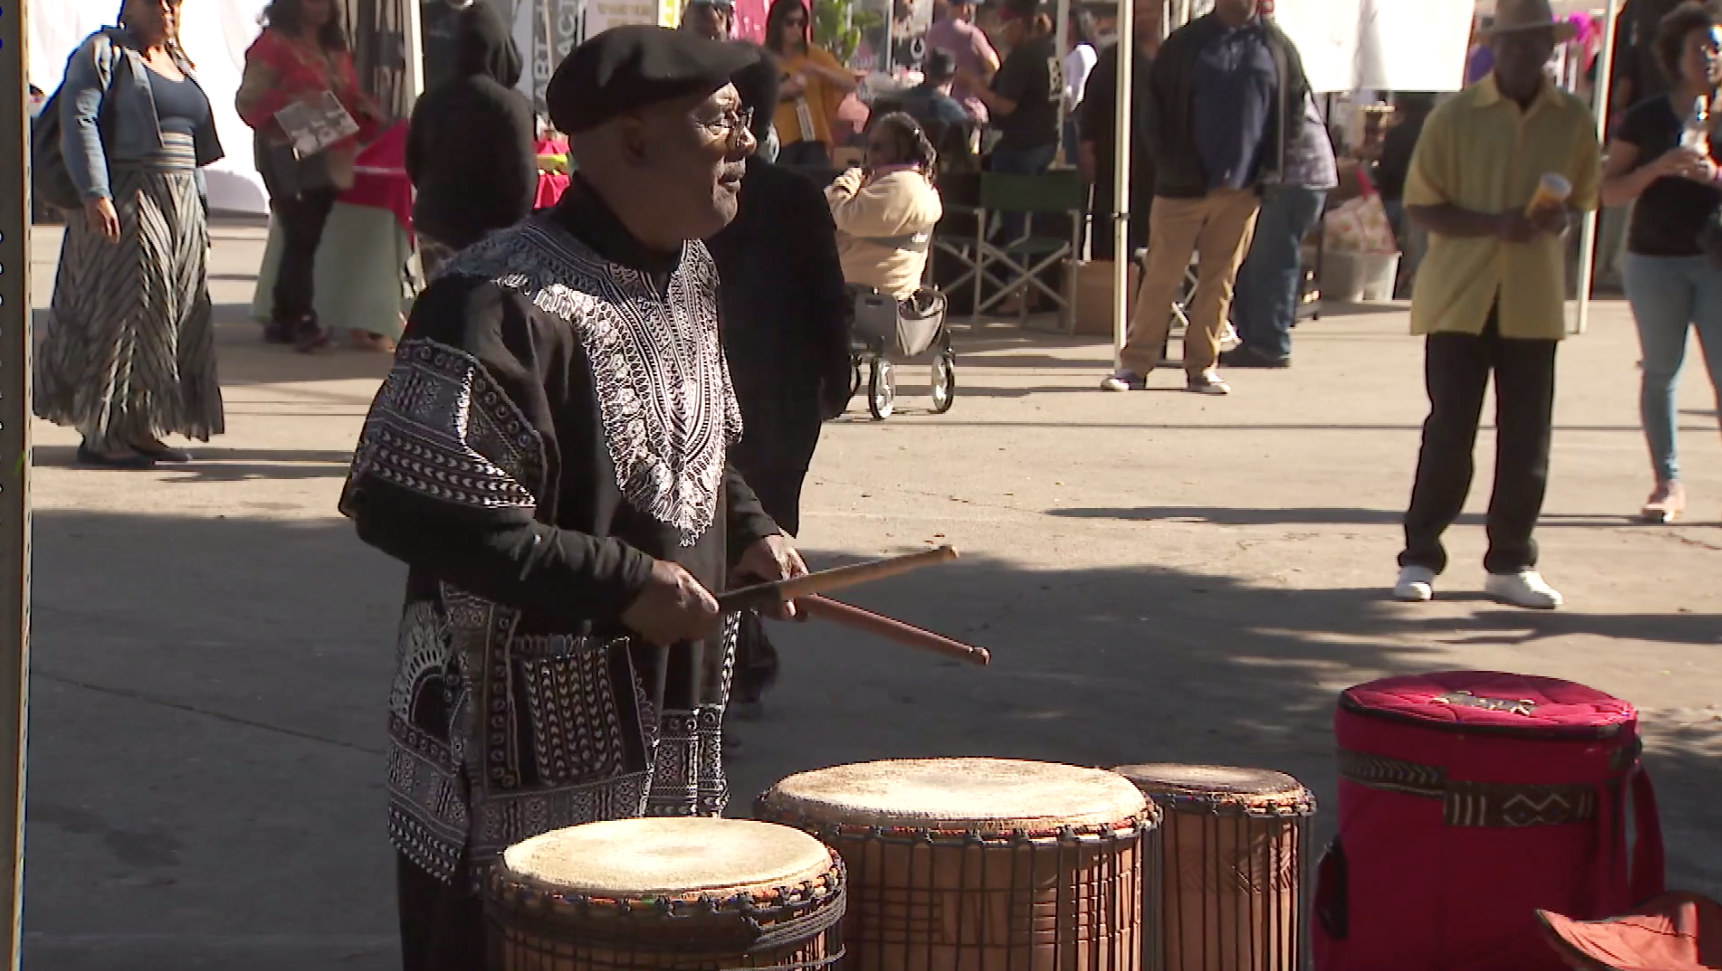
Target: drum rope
794,919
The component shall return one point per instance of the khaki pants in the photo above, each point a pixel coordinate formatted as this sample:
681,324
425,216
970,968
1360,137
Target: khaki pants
1217,226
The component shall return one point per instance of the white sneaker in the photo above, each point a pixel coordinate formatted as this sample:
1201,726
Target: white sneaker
1416,584
1229,339
1207,382
1525,588
1124,379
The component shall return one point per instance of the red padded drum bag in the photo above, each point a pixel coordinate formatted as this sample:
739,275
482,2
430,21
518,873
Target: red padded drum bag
1469,800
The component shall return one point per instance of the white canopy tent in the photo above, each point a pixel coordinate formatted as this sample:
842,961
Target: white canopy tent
1563,8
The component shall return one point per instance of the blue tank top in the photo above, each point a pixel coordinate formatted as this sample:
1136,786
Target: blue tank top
180,106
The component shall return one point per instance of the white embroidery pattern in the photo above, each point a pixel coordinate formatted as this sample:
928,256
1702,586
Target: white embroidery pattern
668,409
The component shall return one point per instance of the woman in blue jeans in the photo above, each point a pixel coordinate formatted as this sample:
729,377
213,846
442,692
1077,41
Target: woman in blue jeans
1270,283
1672,283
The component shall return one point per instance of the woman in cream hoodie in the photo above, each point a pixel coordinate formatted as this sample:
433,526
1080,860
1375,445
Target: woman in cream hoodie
885,214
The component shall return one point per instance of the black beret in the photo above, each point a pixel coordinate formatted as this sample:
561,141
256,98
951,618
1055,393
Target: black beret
627,68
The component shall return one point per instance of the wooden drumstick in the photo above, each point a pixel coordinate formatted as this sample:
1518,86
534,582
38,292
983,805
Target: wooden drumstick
892,629
825,581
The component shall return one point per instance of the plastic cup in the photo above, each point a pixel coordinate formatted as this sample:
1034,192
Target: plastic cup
1552,190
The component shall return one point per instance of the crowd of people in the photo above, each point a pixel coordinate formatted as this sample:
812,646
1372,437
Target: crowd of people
1231,165
584,436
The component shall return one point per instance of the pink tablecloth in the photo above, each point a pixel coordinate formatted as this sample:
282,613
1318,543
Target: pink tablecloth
550,189
380,177
550,185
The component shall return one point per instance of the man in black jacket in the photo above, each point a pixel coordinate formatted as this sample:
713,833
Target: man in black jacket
1226,98
470,149
786,335
1097,134
439,26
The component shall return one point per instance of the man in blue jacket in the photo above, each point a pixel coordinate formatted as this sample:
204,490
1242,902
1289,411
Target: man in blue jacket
1226,100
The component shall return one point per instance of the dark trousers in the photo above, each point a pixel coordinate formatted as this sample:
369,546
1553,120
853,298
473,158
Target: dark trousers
1270,282
442,925
1100,242
301,219
1456,372
1020,161
779,492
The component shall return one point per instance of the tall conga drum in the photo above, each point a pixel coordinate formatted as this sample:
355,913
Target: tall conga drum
1233,847
979,864
679,894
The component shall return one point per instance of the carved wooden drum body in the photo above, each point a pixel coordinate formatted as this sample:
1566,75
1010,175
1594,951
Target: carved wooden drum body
1233,850
980,864
682,894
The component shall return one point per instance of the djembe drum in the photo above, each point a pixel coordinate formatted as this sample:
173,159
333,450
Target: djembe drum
1470,800
1233,845
980,864
682,894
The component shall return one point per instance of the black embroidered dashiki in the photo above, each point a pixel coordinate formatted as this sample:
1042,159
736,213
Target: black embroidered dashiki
558,415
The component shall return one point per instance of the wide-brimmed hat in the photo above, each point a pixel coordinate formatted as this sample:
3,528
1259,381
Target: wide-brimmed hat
1516,16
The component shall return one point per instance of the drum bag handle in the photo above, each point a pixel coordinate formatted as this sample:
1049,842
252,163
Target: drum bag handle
1648,861
1332,910
1646,865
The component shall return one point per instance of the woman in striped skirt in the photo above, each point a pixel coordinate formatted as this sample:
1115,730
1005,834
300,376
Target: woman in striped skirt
129,354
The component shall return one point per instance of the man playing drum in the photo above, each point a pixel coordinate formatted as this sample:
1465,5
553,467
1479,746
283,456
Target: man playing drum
548,457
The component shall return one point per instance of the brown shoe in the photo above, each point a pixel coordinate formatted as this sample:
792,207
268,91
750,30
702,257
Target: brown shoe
311,336
1665,504
364,340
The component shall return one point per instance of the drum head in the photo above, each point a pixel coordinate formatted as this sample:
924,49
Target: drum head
1216,784
964,795
633,858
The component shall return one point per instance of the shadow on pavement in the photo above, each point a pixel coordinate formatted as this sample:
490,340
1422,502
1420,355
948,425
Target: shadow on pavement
209,699
1230,516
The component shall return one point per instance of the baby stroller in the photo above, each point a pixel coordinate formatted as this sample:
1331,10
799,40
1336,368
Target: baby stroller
881,329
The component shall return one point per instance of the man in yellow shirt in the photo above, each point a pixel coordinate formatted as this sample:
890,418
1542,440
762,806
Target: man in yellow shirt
1490,296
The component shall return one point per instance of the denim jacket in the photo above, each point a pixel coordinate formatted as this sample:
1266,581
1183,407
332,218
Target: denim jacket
107,113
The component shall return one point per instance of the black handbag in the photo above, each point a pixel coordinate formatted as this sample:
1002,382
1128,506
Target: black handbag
289,175
50,180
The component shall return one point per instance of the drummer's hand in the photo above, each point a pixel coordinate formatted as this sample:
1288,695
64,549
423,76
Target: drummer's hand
673,607
770,559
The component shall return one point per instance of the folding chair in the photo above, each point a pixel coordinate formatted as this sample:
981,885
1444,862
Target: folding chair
1015,265
1186,289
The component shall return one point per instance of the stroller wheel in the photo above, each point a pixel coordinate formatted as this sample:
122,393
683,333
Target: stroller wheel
944,383
881,390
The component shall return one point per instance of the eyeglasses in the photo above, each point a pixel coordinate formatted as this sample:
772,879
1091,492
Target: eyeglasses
730,125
